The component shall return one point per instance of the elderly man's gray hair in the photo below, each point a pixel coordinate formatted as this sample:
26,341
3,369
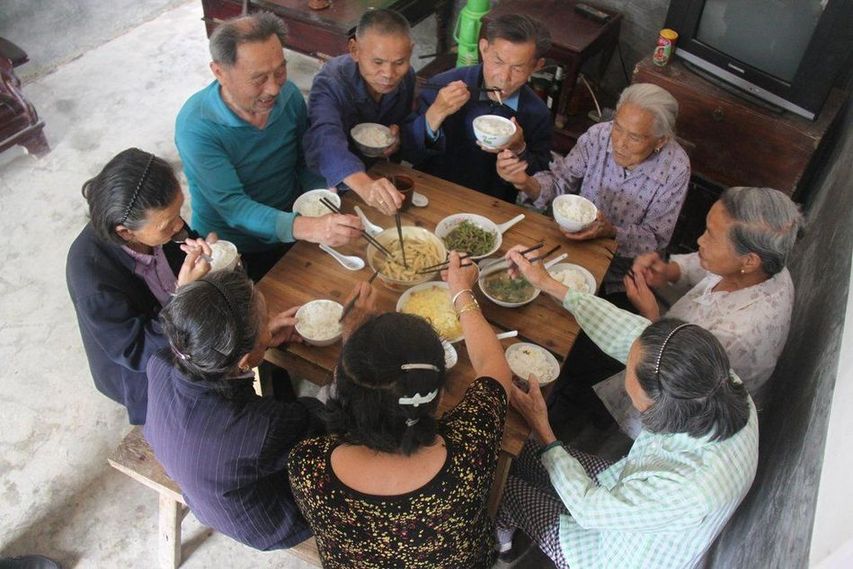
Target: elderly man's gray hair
655,100
766,222
232,33
384,22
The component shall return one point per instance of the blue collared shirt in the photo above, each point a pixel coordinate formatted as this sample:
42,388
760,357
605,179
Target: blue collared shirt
339,100
243,179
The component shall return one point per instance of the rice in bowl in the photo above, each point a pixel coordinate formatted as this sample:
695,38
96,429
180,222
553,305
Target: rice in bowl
529,359
318,322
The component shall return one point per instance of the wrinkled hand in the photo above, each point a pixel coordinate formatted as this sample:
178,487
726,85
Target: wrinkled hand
448,100
364,308
511,168
283,328
641,296
515,144
332,229
531,405
652,268
382,195
458,277
601,227
535,273
391,150
196,264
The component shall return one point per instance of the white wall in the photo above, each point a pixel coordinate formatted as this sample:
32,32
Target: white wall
832,534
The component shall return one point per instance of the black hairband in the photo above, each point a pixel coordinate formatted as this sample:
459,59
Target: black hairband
135,195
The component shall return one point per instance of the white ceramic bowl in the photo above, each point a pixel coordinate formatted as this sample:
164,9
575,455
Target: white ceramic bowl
224,256
486,129
388,236
404,299
588,211
549,362
497,267
309,205
359,133
308,311
589,280
449,223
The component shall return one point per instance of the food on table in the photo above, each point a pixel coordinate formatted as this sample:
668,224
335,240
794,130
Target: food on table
577,210
571,277
319,320
528,359
494,126
433,304
501,286
375,136
470,238
420,253
311,206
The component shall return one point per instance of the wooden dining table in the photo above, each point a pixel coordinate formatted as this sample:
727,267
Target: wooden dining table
307,273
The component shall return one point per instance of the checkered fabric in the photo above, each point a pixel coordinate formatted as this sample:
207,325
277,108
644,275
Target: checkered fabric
531,504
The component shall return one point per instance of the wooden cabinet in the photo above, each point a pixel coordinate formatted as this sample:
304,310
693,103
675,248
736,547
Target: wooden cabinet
734,142
319,33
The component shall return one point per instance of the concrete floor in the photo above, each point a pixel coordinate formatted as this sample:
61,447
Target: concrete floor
58,497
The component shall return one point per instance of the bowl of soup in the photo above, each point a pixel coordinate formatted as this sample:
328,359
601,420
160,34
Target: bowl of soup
502,289
493,131
423,250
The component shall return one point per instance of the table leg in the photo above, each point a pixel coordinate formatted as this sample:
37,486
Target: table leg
501,474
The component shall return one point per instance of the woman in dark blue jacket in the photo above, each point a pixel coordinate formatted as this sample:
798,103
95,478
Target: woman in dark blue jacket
225,446
124,266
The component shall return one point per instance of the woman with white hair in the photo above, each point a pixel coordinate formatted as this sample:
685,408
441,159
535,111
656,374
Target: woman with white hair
631,168
739,289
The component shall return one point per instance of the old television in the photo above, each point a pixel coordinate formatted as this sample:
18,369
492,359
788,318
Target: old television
787,53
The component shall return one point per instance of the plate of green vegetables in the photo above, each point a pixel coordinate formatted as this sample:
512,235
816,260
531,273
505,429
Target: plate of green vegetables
474,234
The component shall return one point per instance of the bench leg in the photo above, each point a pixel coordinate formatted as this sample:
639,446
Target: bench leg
169,540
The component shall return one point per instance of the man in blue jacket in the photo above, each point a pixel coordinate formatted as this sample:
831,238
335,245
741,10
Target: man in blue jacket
440,132
240,140
373,83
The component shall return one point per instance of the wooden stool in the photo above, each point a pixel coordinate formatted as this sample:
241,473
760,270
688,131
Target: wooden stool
135,458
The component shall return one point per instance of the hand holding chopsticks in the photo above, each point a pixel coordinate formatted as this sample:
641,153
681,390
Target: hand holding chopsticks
370,239
356,294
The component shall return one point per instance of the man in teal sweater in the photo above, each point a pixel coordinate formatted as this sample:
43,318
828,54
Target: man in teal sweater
240,142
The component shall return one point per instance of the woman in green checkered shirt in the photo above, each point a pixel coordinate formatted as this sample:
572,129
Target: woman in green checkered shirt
663,504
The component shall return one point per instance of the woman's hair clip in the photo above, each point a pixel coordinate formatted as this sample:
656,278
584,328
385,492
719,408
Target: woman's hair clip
407,367
417,399
411,422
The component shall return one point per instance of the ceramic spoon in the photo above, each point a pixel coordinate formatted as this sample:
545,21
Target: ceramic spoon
349,262
371,228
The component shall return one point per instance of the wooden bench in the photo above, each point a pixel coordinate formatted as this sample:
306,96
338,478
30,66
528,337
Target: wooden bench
135,458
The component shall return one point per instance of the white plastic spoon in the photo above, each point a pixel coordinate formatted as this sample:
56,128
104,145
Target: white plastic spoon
372,229
505,335
349,262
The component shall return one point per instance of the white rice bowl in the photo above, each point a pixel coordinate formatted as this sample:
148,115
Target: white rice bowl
573,212
493,131
529,359
372,138
318,322
574,277
309,204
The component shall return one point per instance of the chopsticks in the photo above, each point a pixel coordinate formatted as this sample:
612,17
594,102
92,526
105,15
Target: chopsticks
348,306
538,245
479,89
443,265
399,223
370,239
540,257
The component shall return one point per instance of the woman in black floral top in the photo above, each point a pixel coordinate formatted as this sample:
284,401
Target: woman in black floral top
393,486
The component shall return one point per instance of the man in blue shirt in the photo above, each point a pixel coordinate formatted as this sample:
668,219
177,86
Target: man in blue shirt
374,83
240,142
440,133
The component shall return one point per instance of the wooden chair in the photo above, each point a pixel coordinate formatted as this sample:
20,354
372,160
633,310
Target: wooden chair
19,122
135,458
